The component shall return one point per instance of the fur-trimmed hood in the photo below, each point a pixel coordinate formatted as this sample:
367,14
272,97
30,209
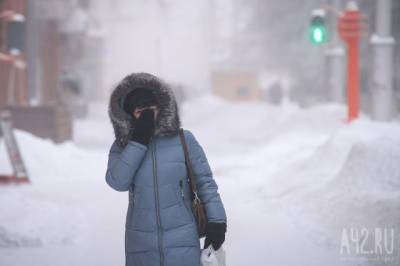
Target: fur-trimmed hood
167,123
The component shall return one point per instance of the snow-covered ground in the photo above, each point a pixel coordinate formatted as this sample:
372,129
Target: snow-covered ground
291,179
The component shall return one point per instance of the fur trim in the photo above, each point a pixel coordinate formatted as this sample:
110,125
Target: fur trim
167,123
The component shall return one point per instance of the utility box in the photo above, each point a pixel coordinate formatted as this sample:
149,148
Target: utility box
237,85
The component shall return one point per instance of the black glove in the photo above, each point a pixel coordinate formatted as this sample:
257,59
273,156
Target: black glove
144,127
215,235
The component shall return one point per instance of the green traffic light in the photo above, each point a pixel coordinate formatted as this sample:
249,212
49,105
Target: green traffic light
318,30
318,35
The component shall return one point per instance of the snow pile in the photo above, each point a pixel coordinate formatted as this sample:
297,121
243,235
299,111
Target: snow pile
37,222
47,210
321,173
365,192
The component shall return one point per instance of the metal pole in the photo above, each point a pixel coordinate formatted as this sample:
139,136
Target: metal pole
382,75
350,27
335,60
32,54
353,80
11,84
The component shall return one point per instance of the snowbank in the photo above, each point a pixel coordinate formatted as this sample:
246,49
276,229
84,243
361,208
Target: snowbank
47,211
365,191
324,174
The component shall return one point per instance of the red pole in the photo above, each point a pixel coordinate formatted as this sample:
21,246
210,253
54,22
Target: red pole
349,28
353,80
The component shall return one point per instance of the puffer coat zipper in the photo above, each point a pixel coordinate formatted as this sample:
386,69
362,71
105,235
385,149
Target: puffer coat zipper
157,203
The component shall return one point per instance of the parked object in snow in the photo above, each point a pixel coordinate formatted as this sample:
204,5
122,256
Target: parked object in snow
237,85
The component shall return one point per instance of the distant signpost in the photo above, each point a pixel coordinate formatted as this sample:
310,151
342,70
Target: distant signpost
20,174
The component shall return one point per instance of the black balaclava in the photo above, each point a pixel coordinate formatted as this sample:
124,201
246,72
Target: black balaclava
139,97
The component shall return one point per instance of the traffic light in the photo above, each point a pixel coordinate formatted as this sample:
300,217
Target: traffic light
318,29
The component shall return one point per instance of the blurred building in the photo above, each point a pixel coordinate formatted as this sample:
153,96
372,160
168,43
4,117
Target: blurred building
13,76
51,64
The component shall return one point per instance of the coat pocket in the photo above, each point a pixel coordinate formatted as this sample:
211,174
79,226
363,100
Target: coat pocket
174,213
131,205
185,201
142,215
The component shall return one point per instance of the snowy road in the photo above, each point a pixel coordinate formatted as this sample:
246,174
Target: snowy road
274,167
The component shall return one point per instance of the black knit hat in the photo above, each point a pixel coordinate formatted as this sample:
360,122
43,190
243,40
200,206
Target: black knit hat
139,97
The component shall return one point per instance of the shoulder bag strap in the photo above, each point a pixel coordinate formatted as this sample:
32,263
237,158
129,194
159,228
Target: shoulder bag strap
189,167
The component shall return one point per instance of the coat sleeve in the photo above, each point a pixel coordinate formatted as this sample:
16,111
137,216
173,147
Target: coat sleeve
206,186
123,164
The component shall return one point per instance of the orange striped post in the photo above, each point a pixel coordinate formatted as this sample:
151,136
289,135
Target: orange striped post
350,26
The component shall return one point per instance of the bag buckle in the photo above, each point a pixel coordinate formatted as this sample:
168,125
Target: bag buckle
196,198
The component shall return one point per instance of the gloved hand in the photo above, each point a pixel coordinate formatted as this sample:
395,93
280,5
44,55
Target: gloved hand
144,127
215,235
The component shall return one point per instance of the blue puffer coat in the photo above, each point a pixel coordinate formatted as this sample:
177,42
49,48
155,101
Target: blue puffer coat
160,227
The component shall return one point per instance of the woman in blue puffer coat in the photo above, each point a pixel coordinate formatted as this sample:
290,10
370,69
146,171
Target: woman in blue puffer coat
147,160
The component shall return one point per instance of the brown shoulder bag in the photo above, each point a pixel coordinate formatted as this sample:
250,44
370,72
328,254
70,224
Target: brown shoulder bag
197,206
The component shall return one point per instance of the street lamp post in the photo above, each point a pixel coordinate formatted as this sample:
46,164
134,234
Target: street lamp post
382,75
334,54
